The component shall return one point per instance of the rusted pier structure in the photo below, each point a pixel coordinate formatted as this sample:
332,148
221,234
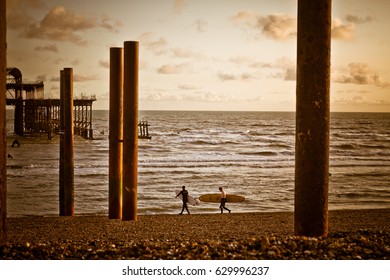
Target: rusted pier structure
312,118
35,115
143,130
3,127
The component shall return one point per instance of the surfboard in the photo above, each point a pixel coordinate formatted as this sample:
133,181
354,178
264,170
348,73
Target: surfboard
192,201
216,198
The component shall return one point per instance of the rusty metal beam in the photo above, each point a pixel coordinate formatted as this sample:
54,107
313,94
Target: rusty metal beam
68,152
130,131
312,118
116,134
3,127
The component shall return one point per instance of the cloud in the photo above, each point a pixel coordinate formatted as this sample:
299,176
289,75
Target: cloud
104,64
290,74
224,77
359,100
212,97
159,96
78,78
359,20
173,68
49,48
63,25
158,46
184,53
17,13
342,31
200,25
248,18
260,65
85,78
361,74
187,87
67,62
178,6
246,76
41,77
285,67
110,24
241,60
281,27
200,96
278,27
75,62
36,4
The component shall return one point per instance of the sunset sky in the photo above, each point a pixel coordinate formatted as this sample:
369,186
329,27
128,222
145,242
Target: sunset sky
200,54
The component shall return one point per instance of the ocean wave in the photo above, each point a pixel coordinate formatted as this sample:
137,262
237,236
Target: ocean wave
345,146
15,166
261,153
255,133
29,166
280,145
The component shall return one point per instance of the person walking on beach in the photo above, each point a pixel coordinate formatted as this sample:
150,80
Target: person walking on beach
223,200
184,194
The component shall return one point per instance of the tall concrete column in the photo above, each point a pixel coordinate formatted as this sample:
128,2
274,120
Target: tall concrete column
67,199
312,118
130,131
116,134
3,127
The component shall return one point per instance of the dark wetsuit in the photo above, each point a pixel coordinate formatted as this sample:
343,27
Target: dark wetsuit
184,193
223,201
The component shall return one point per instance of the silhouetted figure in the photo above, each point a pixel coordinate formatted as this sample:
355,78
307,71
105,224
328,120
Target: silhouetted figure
16,142
223,200
184,194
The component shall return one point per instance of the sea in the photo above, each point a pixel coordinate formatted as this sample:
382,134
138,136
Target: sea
247,153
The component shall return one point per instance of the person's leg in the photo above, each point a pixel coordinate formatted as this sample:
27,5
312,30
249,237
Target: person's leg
223,201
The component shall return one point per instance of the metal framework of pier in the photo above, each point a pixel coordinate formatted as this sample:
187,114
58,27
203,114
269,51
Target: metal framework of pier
35,115
143,130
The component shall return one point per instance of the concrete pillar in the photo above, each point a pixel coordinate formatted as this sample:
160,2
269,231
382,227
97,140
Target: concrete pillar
67,199
116,134
312,118
130,131
3,127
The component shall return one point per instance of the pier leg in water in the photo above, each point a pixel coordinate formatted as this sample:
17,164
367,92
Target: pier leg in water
67,191
116,134
3,145
62,156
312,118
130,132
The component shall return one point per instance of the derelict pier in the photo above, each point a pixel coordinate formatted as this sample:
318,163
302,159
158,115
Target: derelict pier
35,115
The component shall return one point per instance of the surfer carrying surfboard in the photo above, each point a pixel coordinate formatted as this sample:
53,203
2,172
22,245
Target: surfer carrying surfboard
223,200
184,194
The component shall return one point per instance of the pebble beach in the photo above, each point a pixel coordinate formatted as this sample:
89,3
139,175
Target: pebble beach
353,234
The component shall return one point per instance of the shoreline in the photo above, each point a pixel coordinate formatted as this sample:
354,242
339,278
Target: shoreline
356,234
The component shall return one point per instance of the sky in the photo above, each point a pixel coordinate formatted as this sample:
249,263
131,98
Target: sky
219,55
